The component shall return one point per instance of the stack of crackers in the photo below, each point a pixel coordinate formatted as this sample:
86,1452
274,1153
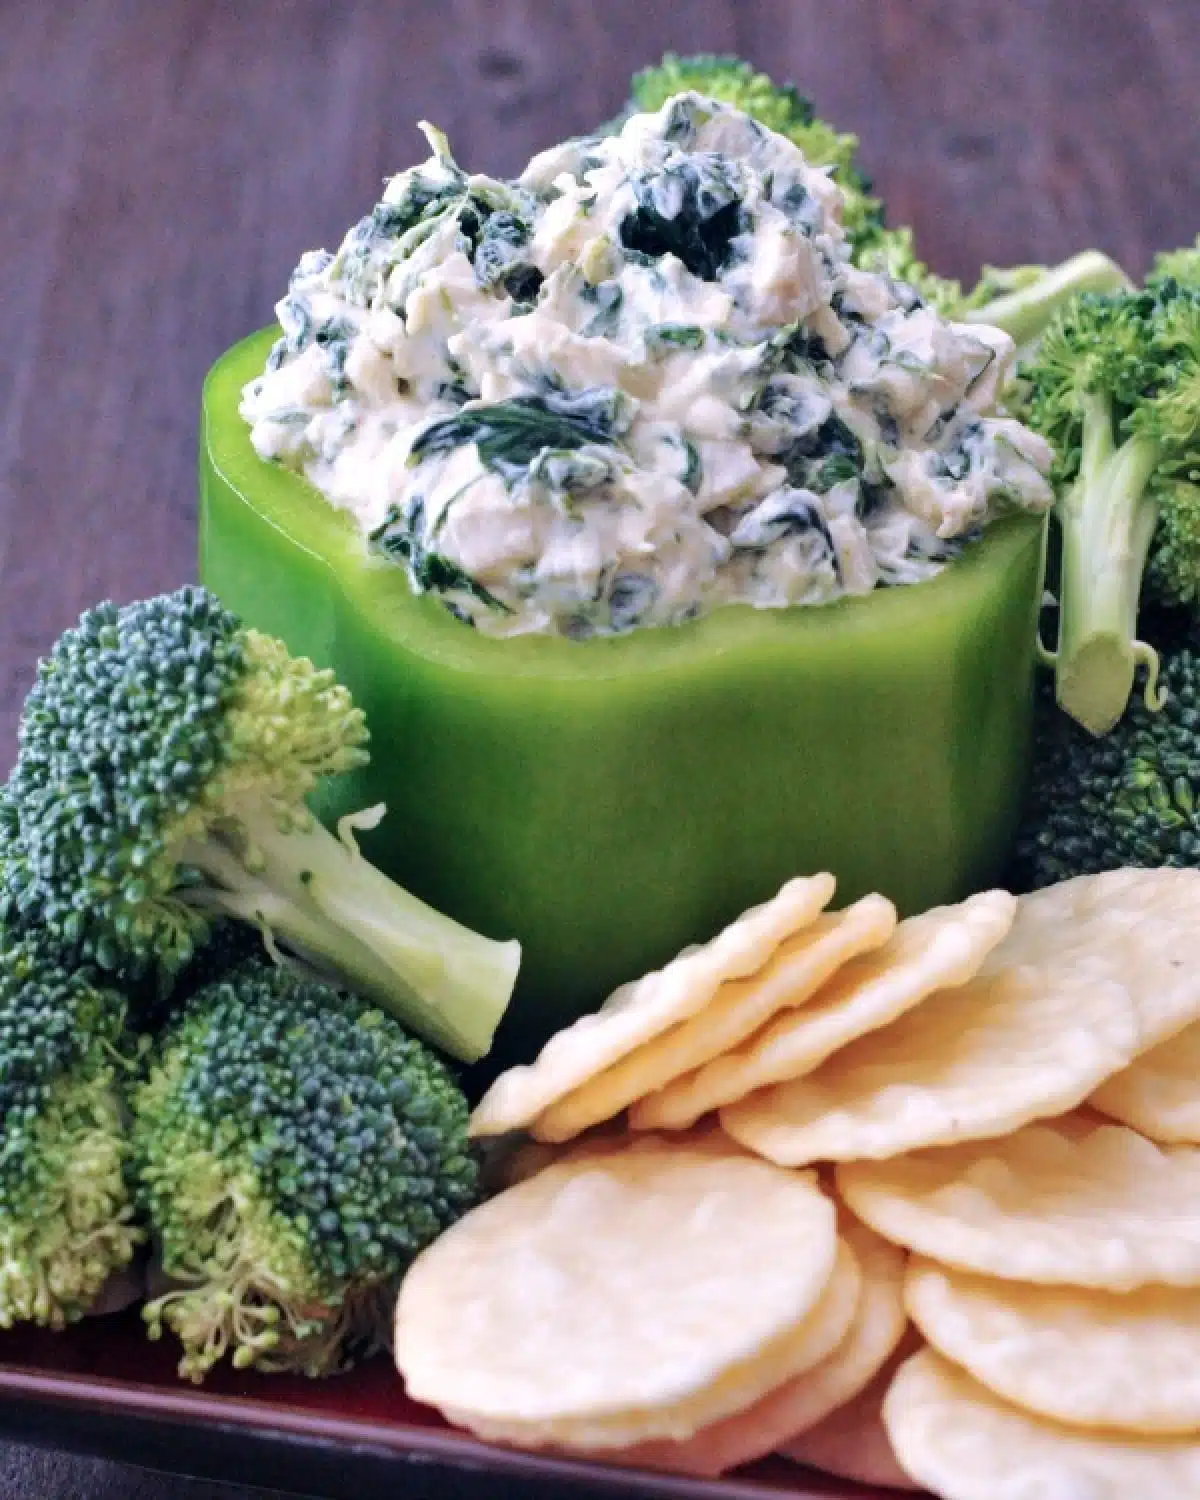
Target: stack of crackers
915,1202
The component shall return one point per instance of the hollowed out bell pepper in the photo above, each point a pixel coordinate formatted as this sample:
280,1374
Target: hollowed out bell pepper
611,800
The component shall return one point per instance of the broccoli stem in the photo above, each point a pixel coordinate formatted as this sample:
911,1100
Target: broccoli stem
316,892
1107,520
1025,314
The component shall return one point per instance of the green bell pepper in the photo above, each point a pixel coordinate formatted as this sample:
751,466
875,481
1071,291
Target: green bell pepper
611,800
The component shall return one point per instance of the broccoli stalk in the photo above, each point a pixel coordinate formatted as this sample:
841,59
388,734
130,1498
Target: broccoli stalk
188,746
1107,519
1116,388
315,891
294,1150
1024,300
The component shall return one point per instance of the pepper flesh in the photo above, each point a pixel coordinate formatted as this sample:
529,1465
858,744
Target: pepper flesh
608,801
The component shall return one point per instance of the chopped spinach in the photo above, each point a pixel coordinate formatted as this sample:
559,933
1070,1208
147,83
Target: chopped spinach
663,338
693,475
832,442
401,540
836,470
690,209
785,514
873,497
630,599
510,434
607,298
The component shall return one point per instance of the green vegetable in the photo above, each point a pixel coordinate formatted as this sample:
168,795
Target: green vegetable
66,1211
166,754
612,799
294,1149
1025,300
1177,265
1116,388
1022,300
1131,797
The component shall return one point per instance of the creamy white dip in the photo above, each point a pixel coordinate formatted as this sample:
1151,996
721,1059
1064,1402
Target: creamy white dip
640,382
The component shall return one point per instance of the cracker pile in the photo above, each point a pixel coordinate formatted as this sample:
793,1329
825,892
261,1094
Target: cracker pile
914,1202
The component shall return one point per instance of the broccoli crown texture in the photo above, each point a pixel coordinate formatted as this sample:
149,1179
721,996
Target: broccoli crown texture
295,1149
1131,797
1182,266
66,1211
228,946
147,726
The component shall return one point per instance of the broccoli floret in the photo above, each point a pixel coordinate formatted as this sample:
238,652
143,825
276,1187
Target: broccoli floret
228,946
66,1210
164,760
295,1149
1131,797
891,252
1115,387
1182,266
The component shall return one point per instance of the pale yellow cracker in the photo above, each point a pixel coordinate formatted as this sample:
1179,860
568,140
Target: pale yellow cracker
852,1442
808,1398
962,1443
613,1283
939,949
1128,1361
1159,1094
523,1158
645,1007
736,1010
1072,1203
967,1064
1139,928
796,1352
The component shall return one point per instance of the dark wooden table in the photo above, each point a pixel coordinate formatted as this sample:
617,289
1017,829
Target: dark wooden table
163,164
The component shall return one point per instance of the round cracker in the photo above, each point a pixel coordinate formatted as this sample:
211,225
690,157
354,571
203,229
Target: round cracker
936,950
808,1398
1126,1361
1159,1093
970,1063
789,977
1135,927
1073,1203
645,1007
612,1283
963,1443
798,1351
852,1442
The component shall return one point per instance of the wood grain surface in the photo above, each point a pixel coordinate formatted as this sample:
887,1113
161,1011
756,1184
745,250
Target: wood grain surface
164,162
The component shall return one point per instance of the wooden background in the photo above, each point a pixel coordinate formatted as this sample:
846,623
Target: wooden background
164,162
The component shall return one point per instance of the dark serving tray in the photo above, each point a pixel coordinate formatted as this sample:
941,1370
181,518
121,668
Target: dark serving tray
103,1389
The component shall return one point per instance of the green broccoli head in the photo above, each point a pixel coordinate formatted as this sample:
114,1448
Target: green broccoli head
1115,387
891,252
1131,797
66,1210
295,1149
165,756
1182,266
